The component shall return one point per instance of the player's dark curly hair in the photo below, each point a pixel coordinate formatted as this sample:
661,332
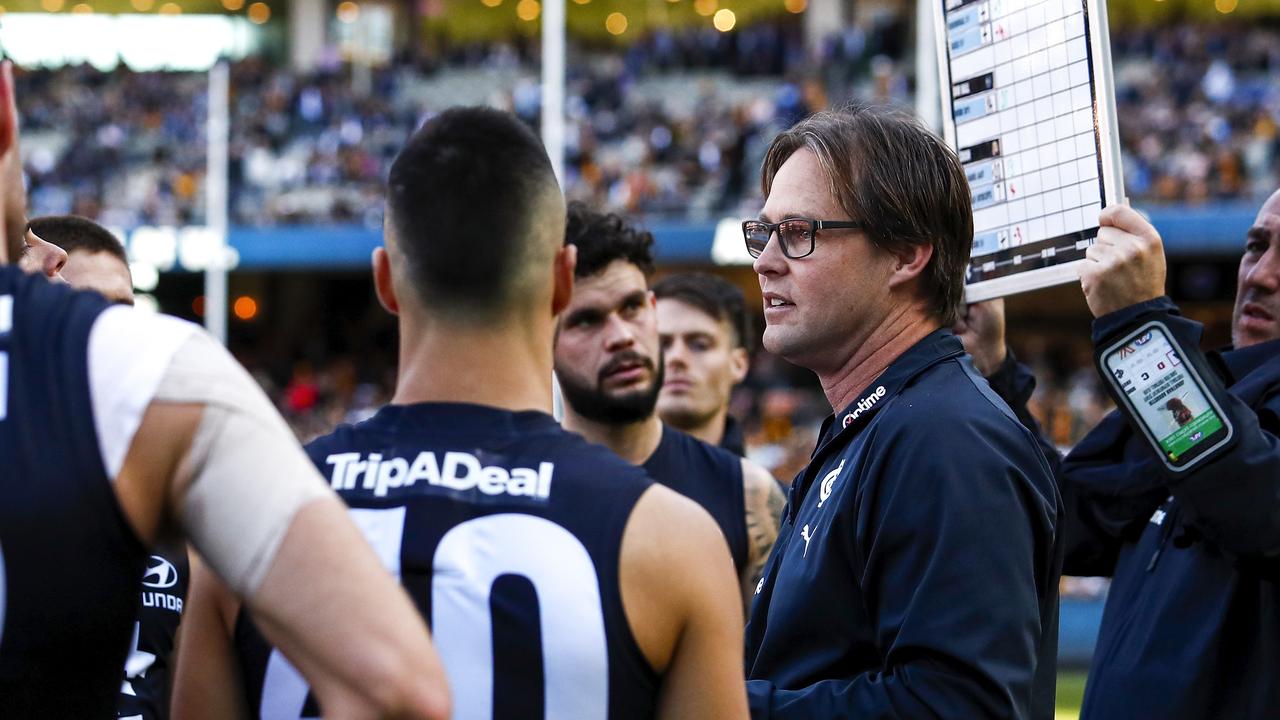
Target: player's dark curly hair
602,238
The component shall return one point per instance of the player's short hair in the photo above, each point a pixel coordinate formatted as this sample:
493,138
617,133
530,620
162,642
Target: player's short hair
74,233
888,171
712,295
466,197
602,238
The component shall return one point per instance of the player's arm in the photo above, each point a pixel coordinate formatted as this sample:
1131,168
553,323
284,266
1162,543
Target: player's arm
678,593
206,681
211,456
763,500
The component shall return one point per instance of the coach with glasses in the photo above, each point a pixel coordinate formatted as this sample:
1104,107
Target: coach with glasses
916,571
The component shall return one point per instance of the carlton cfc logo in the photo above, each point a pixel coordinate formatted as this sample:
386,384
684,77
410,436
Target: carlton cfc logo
828,483
160,574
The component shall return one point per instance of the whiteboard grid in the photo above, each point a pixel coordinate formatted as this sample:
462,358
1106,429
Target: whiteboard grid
1021,109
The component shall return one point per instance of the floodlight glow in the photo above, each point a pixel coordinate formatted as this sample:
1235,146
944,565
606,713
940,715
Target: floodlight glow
724,20
259,13
528,10
616,23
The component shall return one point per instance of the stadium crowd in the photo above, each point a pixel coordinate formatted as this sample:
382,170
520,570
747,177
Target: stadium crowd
1199,109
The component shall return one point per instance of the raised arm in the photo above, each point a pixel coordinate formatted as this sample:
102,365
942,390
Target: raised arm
1233,500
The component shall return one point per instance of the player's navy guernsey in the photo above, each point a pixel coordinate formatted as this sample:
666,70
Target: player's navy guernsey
506,531
69,562
708,475
144,695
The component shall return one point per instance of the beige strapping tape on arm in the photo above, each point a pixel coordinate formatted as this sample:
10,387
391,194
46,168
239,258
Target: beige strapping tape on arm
248,475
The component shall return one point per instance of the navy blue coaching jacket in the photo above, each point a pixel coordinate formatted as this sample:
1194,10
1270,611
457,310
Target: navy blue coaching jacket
916,570
1192,623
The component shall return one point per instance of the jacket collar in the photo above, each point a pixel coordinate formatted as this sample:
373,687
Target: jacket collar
1245,360
937,346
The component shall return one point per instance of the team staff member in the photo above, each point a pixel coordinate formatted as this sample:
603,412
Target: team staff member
610,367
1192,623
560,581
96,261
703,327
916,572
118,427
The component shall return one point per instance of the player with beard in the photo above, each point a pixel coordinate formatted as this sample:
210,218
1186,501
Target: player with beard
120,428
95,260
609,364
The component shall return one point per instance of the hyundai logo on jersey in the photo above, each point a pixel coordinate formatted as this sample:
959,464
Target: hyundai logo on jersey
160,574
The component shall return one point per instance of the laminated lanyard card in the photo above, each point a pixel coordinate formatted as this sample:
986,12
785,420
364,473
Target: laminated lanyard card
1028,103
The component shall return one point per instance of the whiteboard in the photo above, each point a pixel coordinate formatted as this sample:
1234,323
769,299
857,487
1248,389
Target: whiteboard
1028,103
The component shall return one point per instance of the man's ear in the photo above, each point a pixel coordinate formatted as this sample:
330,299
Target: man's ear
910,263
565,263
383,286
739,364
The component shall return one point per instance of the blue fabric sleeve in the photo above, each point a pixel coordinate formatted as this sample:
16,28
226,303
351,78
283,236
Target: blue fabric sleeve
1093,525
955,552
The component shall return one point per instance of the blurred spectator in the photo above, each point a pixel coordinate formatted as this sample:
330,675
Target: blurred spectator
128,148
674,125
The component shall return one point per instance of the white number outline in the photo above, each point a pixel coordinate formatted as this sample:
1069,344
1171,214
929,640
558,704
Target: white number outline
468,560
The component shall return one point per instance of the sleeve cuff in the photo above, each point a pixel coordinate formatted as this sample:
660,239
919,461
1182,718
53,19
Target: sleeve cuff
1111,323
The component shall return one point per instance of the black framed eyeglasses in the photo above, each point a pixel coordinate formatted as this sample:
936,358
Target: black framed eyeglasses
795,234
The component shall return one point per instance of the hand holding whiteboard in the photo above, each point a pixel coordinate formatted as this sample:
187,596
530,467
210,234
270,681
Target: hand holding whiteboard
1028,103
